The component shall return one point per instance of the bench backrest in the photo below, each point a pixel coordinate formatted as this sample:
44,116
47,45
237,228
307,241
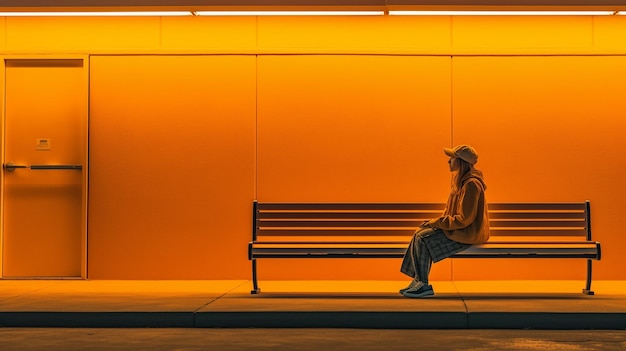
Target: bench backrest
516,221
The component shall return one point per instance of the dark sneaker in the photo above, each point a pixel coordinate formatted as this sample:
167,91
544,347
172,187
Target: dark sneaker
413,284
421,290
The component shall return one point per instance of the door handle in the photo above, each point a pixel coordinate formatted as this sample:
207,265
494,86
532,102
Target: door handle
10,167
56,167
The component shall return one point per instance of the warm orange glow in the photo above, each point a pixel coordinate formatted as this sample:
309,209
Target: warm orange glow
189,13
194,117
174,140
540,147
43,227
97,14
289,13
313,13
503,13
346,137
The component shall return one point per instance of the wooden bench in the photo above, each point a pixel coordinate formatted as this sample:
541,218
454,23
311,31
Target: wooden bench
383,230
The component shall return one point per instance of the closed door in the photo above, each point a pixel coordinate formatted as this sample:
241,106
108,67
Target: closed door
44,168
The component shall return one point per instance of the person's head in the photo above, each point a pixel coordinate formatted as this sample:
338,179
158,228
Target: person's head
462,160
463,152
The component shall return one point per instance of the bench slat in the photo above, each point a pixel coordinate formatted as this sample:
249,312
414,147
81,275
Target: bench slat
538,232
537,215
520,206
303,232
325,207
323,223
538,206
404,243
400,231
422,215
375,222
502,223
415,215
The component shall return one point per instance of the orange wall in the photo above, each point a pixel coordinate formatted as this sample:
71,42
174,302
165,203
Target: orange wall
193,118
344,128
550,129
172,149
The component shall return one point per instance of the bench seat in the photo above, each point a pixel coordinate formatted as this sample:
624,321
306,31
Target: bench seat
539,249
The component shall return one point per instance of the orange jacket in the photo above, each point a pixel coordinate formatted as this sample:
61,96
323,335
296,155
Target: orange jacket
465,218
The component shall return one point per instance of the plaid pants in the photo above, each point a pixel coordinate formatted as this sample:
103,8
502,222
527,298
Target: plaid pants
427,246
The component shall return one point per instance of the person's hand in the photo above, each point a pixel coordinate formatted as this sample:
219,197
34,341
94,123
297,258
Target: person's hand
424,224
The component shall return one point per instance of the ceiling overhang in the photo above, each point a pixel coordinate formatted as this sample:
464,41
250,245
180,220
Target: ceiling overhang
383,5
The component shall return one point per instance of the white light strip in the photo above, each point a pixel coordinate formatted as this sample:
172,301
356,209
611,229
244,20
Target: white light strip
95,14
503,13
310,13
290,13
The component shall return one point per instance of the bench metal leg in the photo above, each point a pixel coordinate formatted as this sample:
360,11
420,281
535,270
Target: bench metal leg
255,282
587,290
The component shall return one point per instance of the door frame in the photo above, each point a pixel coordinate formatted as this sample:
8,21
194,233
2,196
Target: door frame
85,153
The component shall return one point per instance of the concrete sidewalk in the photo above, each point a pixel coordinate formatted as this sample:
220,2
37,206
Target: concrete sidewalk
311,304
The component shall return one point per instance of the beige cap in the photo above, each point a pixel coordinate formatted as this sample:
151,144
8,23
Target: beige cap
464,152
